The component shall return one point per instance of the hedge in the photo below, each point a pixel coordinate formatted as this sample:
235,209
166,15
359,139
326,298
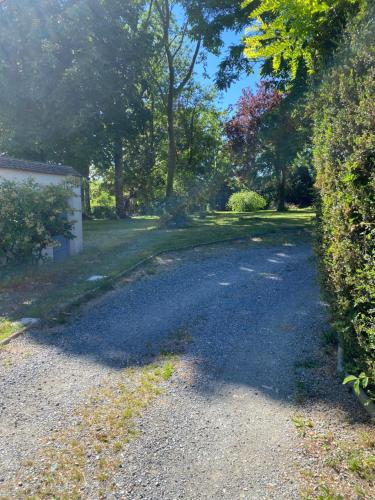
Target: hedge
344,158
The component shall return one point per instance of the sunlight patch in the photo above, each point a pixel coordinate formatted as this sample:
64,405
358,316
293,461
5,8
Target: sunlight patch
96,278
270,276
248,269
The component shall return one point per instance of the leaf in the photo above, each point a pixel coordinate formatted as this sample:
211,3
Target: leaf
349,378
356,387
365,382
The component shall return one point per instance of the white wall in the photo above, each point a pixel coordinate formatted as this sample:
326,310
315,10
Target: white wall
10,174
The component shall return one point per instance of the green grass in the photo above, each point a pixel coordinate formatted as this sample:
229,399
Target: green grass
301,424
111,247
7,328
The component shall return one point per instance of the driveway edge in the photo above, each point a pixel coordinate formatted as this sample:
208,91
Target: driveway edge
107,283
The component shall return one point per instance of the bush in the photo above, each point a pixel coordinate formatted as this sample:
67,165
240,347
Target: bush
103,212
246,201
344,157
30,217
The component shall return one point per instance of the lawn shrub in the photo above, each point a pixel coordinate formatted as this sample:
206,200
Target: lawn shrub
103,212
31,216
246,201
344,157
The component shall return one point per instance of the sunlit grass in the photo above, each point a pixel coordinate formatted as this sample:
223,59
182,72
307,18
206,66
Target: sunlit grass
7,328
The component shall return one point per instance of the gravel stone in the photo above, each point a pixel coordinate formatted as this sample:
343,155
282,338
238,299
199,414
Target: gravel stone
223,429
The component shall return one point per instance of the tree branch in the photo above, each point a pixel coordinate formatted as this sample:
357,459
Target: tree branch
181,41
149,15
180,88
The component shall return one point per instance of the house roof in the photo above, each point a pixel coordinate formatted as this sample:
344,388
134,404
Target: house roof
33,166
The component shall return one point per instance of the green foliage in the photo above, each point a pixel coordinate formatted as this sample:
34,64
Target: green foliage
30,216
300,185
246,201
293,31
344,154
301,424
363,381
102,202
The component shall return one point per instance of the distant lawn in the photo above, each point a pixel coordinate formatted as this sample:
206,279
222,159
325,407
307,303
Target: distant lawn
111,247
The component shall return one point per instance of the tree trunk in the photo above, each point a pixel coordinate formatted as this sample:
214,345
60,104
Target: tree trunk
171,144
86,197
164,10
150,158
281,191
119,179
191,139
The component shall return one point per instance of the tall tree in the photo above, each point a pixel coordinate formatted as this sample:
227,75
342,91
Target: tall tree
259,136
72,77
173,37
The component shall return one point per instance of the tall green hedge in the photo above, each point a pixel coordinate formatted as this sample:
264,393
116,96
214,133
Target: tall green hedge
344,157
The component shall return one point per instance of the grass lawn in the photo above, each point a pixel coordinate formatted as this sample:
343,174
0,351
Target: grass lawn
111,247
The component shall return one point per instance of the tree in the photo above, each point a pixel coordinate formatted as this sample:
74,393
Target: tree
244,132
244,128
108,72
203,161
260,139
212,18
71,80
173,35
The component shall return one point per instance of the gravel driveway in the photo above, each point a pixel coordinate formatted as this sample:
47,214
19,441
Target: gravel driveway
223,429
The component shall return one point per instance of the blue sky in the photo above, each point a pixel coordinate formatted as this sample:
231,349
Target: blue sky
231,96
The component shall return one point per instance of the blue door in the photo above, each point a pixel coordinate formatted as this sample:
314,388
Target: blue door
62,251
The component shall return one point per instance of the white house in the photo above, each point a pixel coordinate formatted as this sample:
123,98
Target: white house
44,174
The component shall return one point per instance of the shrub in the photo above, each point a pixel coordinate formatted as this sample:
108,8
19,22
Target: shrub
30,217
344,157
103,212
246,201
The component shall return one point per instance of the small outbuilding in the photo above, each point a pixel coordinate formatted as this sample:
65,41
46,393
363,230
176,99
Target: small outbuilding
44,174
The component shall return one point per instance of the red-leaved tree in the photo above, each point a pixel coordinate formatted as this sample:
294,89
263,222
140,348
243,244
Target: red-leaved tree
243,130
